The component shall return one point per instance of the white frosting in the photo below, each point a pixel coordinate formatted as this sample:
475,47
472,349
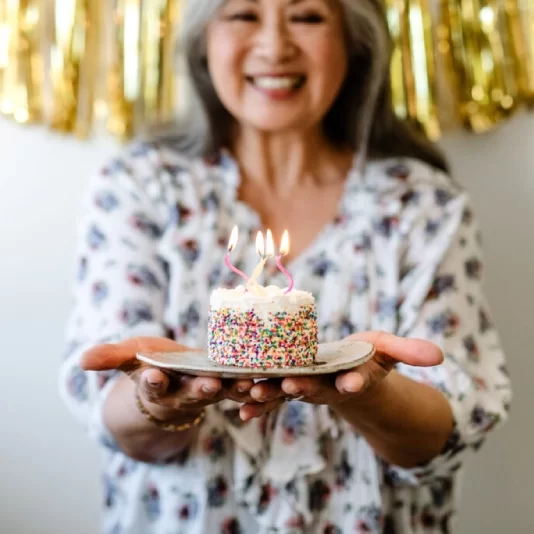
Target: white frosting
263,300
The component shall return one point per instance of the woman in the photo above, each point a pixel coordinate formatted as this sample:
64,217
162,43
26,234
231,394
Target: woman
293,128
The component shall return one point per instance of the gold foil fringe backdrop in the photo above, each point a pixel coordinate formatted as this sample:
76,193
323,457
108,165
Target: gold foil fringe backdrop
77,65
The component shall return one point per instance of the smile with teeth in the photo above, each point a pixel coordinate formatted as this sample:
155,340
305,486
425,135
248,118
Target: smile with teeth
277,82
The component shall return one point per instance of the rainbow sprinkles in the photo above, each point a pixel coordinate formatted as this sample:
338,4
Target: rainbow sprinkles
262,327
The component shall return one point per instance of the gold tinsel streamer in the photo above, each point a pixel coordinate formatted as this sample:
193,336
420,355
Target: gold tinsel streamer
527,14
21,68
112,62
413,80
74,65
141,81
519,16
483,76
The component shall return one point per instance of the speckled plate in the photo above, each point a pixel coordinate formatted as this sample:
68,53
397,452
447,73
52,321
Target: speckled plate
331,358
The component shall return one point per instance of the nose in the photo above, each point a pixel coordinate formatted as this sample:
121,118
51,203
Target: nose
275,44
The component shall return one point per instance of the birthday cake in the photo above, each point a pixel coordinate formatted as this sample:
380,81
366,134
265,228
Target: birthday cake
262,327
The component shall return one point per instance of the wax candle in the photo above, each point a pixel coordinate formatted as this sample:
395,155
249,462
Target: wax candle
260,250
283,251
232,243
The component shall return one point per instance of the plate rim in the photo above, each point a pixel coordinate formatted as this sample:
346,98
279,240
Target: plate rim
224,371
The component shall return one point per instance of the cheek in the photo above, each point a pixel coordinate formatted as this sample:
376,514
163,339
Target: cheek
224,65
329,60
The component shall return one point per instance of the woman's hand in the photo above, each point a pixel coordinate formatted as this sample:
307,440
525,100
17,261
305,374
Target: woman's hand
406,422
355,385
168,395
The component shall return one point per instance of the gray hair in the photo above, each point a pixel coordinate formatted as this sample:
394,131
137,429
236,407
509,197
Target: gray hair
361,117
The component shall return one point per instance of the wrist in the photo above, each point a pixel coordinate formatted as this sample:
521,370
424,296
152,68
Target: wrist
169,415
170,419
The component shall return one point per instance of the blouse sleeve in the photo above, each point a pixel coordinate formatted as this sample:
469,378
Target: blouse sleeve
119,290
442,300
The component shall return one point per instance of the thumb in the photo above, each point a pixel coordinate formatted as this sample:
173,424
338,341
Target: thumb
393,349
115,355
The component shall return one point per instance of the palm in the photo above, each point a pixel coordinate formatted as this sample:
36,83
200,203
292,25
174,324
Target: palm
168,389
122,355
389,350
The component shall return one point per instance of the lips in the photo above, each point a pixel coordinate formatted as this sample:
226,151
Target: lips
277,83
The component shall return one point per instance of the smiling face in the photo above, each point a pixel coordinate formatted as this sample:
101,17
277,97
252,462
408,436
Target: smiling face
277,65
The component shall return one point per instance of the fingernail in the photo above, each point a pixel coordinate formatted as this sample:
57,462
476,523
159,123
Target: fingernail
243,389
154,385
207,389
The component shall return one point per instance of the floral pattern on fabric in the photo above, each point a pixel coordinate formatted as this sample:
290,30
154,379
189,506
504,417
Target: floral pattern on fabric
403,255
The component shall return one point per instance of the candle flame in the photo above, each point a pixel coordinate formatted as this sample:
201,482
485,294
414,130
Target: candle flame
284,245
232,242
260,244
269,247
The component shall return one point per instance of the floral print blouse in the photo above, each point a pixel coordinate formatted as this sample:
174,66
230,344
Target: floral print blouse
403,255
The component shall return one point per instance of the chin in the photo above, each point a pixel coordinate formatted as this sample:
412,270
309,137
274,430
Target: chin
272,124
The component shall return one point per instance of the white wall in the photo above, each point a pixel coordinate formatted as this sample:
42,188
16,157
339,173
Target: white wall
498,169
48,470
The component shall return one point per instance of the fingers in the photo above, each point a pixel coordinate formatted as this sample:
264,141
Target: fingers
194,389
105,357
302,386
117,355
352,382
417,352
243,386
251,410
267,390
153,384
175,391
238,390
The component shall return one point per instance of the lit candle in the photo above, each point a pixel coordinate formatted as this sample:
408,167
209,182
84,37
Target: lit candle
264,256
284,250
232,242
269,245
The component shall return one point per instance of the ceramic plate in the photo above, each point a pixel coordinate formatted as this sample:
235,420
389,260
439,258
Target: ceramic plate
331,358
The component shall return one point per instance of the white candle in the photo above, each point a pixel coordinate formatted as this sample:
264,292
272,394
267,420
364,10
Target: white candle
260,250
269,245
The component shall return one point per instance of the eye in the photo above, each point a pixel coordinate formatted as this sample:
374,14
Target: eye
308,18
244,16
